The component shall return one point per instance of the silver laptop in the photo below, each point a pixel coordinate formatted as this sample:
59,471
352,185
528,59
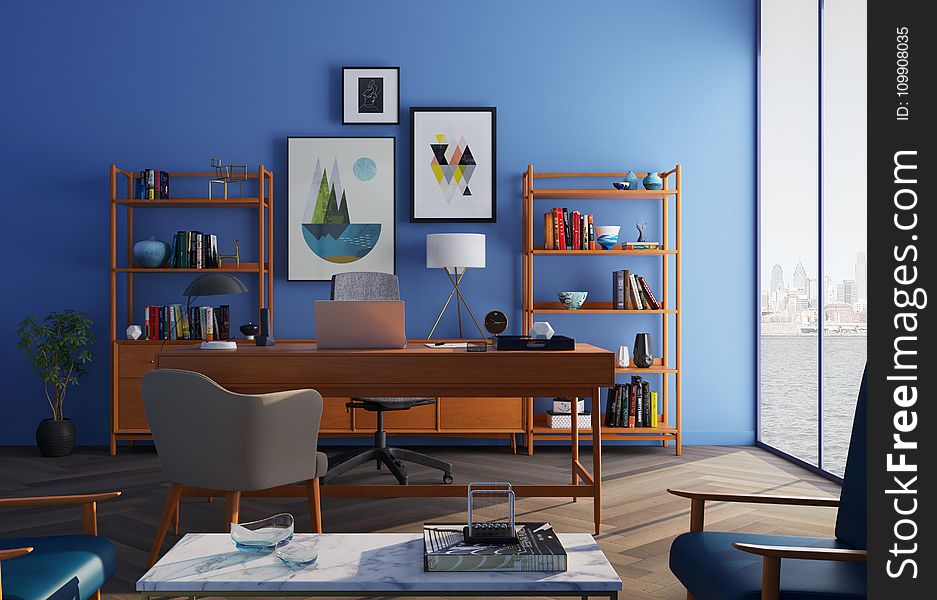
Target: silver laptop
359,324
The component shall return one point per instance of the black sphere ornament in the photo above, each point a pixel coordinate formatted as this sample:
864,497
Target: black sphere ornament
643,355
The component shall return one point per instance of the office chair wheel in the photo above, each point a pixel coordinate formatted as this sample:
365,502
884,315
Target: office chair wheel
447,477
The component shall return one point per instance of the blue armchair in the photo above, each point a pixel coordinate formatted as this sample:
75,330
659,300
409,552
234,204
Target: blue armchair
61,567
737,566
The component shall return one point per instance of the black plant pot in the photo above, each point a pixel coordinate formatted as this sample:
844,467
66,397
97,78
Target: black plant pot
55,438
643,355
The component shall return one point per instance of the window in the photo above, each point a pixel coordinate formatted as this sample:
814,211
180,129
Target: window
812,246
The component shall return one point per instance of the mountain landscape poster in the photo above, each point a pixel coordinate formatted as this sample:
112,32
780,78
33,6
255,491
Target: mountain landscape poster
341,206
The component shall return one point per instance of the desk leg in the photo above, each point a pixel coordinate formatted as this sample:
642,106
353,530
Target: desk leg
574,443
597,457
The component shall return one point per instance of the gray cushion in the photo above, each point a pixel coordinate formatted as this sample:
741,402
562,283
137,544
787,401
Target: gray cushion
365,286
322,464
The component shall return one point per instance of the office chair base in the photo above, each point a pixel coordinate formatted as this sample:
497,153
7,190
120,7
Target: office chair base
392,458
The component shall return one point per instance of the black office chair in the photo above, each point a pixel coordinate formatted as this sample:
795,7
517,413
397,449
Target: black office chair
379,287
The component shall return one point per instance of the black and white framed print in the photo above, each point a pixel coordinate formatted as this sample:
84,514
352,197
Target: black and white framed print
371,95
453,164
342,212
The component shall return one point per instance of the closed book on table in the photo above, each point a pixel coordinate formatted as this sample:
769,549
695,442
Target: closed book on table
538,549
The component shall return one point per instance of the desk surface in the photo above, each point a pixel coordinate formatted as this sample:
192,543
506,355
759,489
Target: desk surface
361,562
413,347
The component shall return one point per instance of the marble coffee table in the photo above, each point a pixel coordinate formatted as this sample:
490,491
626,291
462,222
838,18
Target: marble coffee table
362,564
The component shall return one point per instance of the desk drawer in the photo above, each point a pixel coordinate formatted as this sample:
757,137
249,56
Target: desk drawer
418,418
479,414
135,360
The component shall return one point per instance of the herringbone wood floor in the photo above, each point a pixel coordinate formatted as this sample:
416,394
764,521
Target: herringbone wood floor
640,518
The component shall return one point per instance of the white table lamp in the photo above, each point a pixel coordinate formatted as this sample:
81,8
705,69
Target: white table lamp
455,253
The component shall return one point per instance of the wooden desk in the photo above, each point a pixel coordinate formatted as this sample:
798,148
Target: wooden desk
418,371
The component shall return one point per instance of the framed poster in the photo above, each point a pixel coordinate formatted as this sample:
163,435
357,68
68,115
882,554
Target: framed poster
453,165
342,199
370,95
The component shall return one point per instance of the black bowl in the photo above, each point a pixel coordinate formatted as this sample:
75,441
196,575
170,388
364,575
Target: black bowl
249,329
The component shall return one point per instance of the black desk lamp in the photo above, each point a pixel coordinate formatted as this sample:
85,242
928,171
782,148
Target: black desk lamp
213,284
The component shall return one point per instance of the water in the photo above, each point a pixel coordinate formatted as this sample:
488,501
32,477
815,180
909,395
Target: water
790,391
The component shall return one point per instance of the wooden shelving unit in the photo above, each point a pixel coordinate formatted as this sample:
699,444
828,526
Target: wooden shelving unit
667,366
131,359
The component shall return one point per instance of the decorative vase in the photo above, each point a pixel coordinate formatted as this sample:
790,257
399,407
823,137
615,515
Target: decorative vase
607,235
624,358
55,438
572,300
643,356
653,181
151,253
134,332
632,180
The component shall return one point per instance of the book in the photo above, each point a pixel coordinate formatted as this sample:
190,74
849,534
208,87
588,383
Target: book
610,406
163,192
548,231
646,394
538,549
568,239
652,301
635,294
639,401
623,405
619,401
591,233
627,302
654,409
577,230
618,290
560,243
632,399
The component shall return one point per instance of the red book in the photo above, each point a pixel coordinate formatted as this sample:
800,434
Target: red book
631,406
561,231
574,218
154,323
647,292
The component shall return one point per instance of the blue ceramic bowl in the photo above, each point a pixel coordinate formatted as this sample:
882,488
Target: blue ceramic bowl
151,253
572,300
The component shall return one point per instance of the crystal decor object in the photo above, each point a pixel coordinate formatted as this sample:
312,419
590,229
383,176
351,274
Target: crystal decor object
298,553
263,535
541,330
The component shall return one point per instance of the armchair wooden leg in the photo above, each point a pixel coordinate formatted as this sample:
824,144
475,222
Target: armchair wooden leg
697,514
232,505
315,509
689,596
771,578
96,595
175,491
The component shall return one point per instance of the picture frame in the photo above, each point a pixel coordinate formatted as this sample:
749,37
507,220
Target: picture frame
453,164
342,206
371,95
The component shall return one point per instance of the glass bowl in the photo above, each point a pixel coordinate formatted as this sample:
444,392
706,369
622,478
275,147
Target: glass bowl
263,535
298,554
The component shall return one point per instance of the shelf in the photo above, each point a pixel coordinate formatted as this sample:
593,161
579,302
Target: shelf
652,370
245,267
595,308
618,252
602,194
193,203
541,421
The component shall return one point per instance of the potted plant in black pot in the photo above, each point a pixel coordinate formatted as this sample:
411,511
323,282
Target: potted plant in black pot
58,347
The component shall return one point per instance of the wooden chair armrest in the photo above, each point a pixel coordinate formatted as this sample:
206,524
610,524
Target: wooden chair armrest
57,500
757,498
837,554
88,502
14,553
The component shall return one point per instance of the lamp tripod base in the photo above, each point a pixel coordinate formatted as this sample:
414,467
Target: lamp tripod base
455,278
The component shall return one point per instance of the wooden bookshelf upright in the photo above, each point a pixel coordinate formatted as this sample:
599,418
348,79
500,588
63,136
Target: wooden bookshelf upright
131,359
667,365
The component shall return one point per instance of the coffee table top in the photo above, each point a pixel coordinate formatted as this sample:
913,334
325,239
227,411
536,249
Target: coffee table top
361,562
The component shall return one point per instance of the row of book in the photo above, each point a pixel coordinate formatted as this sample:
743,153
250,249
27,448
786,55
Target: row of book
173,322
564,230
153,184
194,250
632,292
631,405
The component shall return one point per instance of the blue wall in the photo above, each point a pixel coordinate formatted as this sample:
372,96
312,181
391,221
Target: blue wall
592,86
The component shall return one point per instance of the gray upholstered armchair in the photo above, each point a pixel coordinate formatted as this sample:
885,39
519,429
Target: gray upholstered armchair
210,438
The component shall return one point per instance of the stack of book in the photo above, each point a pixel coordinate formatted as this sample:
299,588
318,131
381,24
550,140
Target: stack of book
631,292
641,246
172,322
538,549
564,230
194,250
631,405
153,184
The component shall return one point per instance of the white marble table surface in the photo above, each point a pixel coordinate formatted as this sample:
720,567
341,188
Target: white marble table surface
389,563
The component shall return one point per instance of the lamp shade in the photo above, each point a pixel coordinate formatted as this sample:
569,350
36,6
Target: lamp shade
215,284
455,250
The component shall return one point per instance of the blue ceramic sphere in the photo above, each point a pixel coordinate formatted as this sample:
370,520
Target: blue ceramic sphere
151,253
572,300
653,181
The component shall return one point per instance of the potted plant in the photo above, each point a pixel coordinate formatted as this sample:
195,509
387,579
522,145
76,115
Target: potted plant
58,347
